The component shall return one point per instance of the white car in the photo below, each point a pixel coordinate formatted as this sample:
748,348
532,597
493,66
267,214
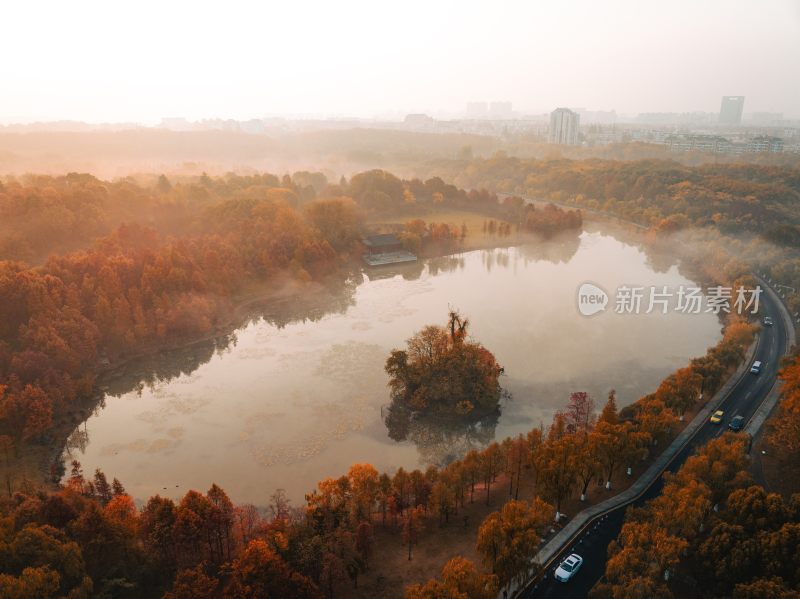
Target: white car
568,567
756,367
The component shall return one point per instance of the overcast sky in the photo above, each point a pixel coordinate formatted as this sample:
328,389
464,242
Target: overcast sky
115,60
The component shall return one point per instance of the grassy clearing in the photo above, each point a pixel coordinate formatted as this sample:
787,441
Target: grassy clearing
475,238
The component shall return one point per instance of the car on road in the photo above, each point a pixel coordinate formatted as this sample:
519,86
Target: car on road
756,367
716,417
768,321
736,424
568,567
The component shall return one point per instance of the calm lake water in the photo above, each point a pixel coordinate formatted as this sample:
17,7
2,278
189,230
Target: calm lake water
298,394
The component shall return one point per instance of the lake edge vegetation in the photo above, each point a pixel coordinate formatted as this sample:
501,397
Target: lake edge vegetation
95,540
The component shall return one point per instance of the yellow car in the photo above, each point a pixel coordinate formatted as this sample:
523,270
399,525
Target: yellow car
716,417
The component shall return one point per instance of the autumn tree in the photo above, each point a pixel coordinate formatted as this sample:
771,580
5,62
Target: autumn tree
413,525
784,429
157,529
442,372
579,416
508,540
338,220
363,490
720,465
471,463
490,461
558,462
643,551
50,559
588,464
680,390
7,448
516,451
460,579
616,441
193,583
32,582
443,499
764,588
259,573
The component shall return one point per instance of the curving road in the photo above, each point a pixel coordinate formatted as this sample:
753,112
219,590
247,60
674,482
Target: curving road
743,399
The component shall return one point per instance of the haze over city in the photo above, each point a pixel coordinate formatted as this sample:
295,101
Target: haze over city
400,300
356,59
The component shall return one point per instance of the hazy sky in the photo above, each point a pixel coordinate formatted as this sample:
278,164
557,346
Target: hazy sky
115,60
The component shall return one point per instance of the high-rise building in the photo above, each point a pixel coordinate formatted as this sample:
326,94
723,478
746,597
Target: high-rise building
564,127
730,112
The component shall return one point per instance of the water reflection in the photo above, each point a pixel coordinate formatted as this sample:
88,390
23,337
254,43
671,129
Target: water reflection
409,271
440,440
311,304
557,250
298,392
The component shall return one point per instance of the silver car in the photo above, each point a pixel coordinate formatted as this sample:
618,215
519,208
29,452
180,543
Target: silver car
568,567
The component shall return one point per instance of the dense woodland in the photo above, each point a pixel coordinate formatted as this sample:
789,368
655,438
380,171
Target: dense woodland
162,263
42,215
89,539
726,220
711,533
147,262
734,198
785,427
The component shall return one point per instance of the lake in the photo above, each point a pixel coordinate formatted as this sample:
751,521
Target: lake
299,393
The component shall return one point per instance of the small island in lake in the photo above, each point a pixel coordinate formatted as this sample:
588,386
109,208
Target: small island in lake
443,373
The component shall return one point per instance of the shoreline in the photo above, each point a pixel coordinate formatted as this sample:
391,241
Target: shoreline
46,464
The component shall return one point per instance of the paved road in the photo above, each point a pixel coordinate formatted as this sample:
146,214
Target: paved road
743,399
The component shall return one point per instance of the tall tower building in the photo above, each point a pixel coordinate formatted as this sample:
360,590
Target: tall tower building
730,112
564,127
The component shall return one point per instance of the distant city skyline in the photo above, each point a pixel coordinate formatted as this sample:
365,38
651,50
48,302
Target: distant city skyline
140,62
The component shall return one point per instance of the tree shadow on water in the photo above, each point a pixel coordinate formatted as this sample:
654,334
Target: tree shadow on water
440,439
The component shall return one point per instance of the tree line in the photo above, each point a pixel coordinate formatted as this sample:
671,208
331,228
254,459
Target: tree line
711,530
89,538
41,214
733,197
726,220
185,252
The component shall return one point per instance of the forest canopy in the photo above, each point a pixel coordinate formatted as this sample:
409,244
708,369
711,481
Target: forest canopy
442,372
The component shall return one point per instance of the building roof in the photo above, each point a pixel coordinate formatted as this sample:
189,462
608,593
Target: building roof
383,240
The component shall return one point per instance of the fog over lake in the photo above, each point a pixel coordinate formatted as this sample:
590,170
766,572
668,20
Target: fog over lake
285,406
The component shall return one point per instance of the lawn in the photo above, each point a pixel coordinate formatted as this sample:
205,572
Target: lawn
475,239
